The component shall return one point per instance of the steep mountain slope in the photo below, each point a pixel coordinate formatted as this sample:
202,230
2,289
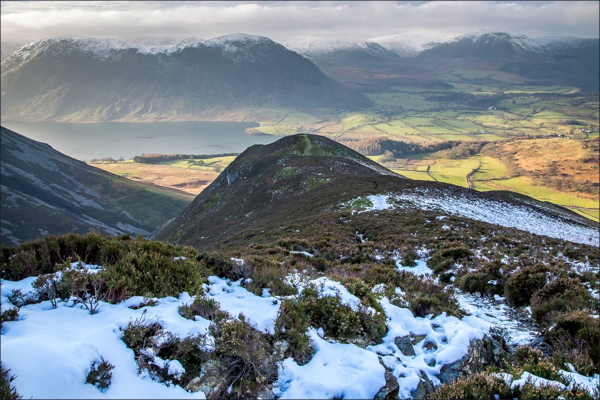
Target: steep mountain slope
328,277
46,192
8,48
72,79
521,55
304,180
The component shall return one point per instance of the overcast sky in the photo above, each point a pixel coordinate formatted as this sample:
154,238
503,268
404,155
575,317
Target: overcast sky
26,21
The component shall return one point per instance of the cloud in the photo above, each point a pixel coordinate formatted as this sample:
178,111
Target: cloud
25,21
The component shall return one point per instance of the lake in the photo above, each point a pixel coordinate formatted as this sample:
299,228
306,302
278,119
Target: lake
127,139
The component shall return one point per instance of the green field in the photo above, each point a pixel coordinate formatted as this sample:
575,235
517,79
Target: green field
415,175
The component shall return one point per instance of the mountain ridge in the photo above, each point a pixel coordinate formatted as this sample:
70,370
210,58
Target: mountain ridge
46,192
303,178
87,79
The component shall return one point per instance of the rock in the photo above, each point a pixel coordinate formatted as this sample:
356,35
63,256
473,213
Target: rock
417,338
279,349
194,385
487,352
209,381
405,345
390,390
424,388
266,394
430,346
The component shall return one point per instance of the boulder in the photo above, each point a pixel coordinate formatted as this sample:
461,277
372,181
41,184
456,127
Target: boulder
424,388
390,390
405,345
487,352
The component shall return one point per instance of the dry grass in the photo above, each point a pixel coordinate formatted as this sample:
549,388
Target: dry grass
187,181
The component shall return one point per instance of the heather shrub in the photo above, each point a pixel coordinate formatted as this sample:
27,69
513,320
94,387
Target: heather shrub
487,280
100,374
203,306
484,385
268,274
20,299
557,297
12,314
426,297
477,386
521,285
291,325
152,274
244,354
7,392
138,333
444,259
576,339
337,320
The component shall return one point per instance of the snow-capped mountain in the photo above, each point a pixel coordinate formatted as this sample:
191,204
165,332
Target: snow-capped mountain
72,79
341,52
489,45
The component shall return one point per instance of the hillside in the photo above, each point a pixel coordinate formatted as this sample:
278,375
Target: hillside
328,276
46,192
303,177
87,79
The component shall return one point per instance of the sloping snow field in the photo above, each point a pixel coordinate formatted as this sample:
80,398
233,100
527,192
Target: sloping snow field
51,350
486,210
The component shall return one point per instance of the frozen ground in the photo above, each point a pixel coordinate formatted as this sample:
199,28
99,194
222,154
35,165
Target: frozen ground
51,350
492,211
514,329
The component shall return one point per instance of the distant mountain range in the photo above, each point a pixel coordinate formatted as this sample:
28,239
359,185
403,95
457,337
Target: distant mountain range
46,192
562,60
86,79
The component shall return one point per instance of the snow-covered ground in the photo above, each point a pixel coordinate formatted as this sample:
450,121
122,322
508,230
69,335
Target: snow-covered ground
513,329
492,211
51,350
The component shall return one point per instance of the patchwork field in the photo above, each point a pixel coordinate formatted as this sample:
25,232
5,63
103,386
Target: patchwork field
543,163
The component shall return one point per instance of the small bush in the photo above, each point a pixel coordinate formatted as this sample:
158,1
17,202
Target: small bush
444,259
100,374
576,336
557,297
203,306
48,288
7,392
19,299
478,386
245,354
425,296
11,314
267,273
521,286
139,333
338,321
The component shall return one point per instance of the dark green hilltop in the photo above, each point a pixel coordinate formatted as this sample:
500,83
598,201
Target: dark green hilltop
300,186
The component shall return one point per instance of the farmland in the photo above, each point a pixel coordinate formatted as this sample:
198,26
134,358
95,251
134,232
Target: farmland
542,141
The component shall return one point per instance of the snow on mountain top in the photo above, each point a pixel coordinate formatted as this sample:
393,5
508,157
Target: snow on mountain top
408,43
316,45
105,47
519,42
239,37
